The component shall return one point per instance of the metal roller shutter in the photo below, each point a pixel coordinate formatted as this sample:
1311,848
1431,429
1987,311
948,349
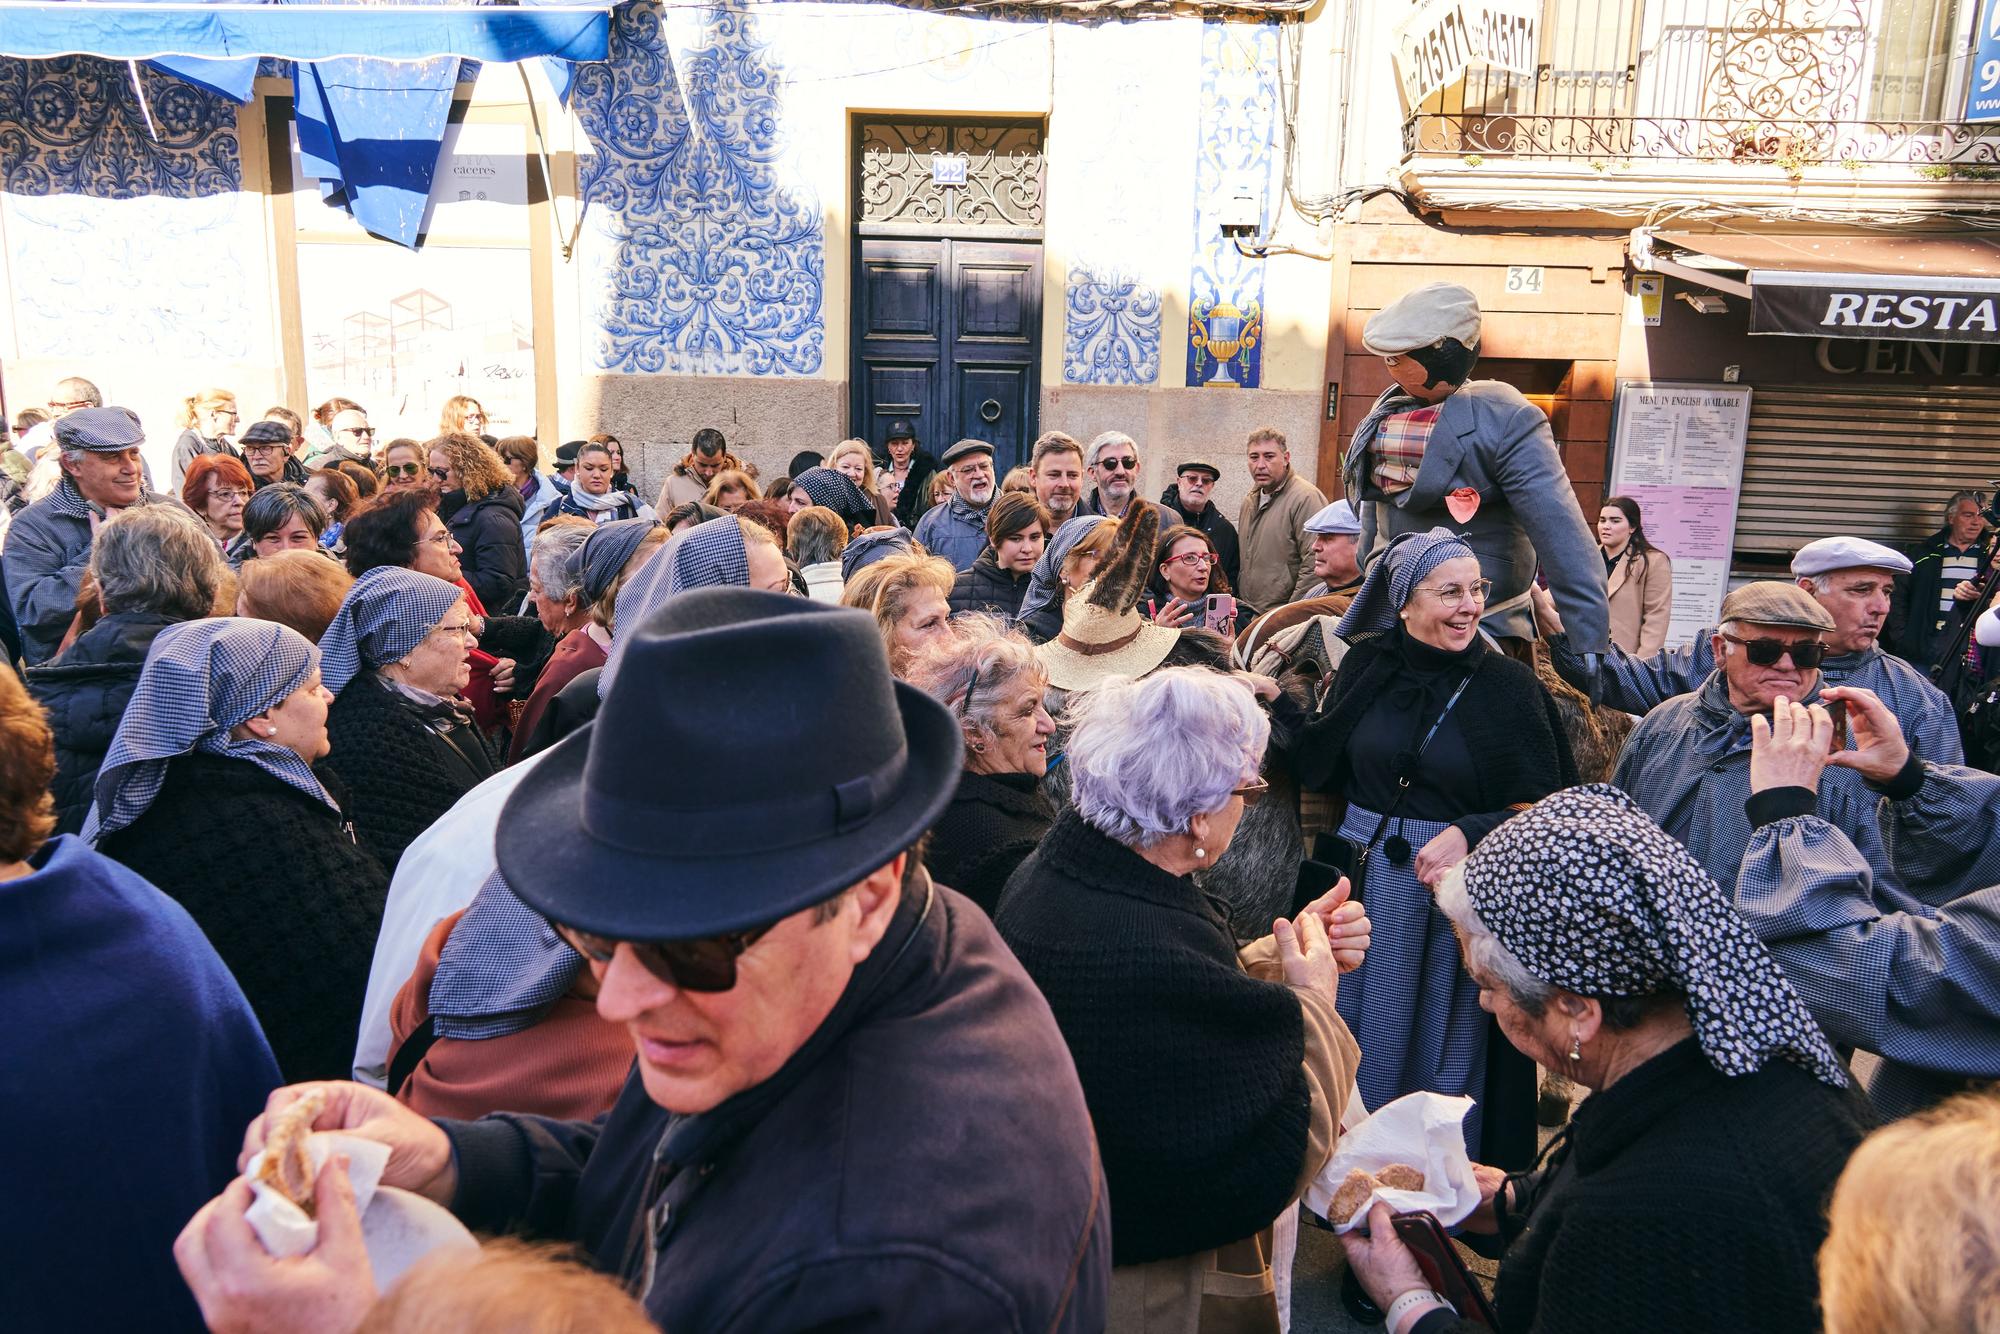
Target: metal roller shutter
1871,461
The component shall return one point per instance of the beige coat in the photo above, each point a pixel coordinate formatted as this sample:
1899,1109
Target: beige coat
1641,594
1277,550
1230,1290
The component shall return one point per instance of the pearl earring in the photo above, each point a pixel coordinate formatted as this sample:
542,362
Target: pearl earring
1201,854
1575,1048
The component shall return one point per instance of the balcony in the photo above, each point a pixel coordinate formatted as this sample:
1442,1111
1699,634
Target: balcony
1815,110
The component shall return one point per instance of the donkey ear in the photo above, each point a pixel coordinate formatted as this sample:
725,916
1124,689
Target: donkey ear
1128,567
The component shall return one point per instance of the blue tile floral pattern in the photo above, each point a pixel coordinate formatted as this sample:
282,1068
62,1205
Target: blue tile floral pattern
1111,328
74,126
711,254
1235,131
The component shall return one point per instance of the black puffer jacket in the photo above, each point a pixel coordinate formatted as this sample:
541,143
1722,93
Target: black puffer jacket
404,765
85,692
988,588
493,561
274,878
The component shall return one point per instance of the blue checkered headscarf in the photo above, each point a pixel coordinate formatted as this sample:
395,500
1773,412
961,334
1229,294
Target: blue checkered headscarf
1393,576
385,615
837,491
704,556
502,967
203,679
607,551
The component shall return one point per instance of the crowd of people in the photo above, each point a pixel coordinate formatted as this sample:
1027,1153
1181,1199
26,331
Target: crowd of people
1013,954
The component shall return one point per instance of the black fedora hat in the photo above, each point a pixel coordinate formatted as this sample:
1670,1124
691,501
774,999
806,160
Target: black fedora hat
669,820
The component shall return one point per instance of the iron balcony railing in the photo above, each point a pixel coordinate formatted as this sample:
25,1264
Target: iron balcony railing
1798,83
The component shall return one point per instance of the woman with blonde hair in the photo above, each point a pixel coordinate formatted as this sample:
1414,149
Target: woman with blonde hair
731,490
300,589
480,504
857,460
1913,1239
908,595
208,419
462,415
505,1287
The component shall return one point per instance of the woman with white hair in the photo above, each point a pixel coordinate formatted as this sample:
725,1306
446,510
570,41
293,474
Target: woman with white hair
991,680
1690,1189
1215,1079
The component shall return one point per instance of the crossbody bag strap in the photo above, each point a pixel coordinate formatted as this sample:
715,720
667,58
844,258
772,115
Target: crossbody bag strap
1405,781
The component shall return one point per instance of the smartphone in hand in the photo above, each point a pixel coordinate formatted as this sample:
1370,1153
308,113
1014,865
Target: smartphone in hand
1218,613
1837,710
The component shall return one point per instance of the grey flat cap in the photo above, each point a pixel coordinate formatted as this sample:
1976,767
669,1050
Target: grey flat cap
1847,553
963,448
100,430
1200,465
1420,318
1336,519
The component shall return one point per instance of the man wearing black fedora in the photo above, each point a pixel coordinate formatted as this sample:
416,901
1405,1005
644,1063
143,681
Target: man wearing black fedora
850,1107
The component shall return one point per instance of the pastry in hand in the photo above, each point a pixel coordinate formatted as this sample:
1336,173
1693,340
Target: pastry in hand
1352,1196
287,1167
1401,1176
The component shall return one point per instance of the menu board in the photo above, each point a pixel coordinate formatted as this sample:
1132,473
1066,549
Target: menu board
1677,449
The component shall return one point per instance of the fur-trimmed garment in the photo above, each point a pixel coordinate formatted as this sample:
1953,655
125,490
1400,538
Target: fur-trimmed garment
403,765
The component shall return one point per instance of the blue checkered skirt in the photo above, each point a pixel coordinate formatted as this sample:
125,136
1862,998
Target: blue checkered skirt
1411,1005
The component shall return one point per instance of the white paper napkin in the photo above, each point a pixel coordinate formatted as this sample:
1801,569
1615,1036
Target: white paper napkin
1421,1129
281,1225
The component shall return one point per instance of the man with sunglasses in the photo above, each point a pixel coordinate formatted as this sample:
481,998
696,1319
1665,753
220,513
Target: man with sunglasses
1113,464
353,440
850,1106
1853,581
1687,763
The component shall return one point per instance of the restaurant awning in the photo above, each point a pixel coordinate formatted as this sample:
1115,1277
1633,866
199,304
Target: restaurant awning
372,83
1939,289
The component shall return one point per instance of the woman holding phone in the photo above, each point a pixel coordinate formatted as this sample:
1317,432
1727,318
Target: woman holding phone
1189,587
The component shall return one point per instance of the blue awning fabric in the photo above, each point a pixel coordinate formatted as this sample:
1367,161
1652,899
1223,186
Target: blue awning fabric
372,90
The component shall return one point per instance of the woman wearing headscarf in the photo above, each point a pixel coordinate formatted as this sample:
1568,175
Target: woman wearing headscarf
989,678
1066,565
608,557
840,493
209,791
1215,1077
1433,738
404,741
1690,1189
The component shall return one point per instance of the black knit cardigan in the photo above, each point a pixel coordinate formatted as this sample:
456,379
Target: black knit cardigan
401,772
993,823
1509,722
1193,1070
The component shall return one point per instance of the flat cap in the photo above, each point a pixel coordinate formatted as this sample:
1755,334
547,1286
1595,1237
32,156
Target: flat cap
900,430
100,430
1337,518
1421,318
1774,602
265,433
1847,553
1199,465
567,451
964,448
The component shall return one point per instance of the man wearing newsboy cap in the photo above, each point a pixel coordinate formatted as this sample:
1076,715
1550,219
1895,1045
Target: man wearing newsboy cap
1852,579
48,544
1439,449
850,1108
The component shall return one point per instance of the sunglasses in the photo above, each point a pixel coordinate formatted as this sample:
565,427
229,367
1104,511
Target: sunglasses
1127,464
441,473
357,430
1252,792
708,964
401,470
1806,653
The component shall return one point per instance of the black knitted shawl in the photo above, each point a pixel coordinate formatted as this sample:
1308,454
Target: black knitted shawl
1509,722
993,823
1193,1069
401,774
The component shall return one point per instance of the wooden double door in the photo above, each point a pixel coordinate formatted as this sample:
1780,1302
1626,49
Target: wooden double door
947,335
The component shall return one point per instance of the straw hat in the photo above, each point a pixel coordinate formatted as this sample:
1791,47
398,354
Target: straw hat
1103,633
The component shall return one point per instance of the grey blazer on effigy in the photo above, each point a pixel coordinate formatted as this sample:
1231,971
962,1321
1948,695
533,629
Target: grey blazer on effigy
1488,437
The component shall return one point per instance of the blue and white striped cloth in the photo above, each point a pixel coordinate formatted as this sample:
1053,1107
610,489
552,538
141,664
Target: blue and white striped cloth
385,615
707,555
202,679
502,967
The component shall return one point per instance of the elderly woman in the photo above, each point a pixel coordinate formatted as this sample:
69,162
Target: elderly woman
281,517
478,502
216,488
585,576
404,741
989,678
153,568
1719,1116
210,791
1913,1236
857,461
298,589
814,541
1066,565
591,494
1017,528
208,419
1215,1078
112,995
835,490
1433,738
906,593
